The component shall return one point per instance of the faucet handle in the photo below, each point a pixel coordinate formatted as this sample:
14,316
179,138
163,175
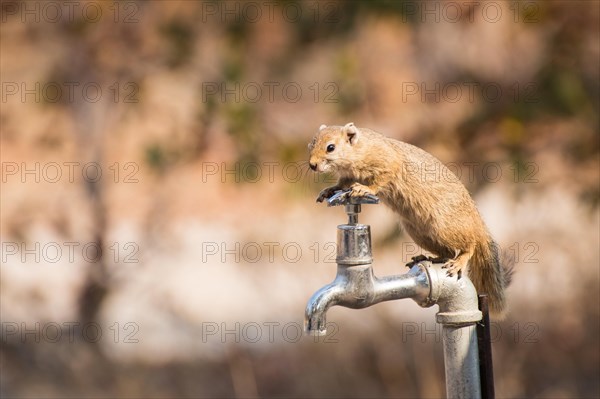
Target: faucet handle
352,204
342,197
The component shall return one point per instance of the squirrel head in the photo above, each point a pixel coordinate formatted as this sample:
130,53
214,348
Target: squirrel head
332,149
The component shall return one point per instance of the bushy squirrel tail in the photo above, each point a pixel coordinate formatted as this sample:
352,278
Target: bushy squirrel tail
490,277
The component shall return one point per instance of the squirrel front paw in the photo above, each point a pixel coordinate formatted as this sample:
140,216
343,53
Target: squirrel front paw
360,190
327,192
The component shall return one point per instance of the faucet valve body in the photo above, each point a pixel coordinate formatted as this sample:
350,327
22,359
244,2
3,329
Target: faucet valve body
354,244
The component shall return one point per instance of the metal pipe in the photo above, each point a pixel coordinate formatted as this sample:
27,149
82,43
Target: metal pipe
459,313
484,344
461,361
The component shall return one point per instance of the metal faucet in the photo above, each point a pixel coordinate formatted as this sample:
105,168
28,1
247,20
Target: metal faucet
355,286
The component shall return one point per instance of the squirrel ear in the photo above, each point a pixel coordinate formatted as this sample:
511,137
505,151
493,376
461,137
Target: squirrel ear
322,127
351,132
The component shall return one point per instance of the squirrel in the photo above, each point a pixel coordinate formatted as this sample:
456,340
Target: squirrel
435,208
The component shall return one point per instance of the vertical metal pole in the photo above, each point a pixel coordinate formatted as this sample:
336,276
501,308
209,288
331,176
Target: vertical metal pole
459,314
486,368
461,361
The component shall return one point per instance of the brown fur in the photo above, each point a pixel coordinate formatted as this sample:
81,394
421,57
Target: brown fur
435,208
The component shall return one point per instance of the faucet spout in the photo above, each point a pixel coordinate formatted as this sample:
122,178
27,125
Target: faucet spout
356,287
314,316
352,288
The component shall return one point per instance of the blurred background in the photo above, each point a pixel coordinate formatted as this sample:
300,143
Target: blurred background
159,232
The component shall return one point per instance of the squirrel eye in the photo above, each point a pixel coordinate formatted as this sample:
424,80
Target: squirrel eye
330,148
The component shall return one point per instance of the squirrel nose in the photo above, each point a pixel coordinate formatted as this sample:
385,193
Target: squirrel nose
313,166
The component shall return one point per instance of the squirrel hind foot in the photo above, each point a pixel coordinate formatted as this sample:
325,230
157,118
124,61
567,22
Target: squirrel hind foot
415,260
454,266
